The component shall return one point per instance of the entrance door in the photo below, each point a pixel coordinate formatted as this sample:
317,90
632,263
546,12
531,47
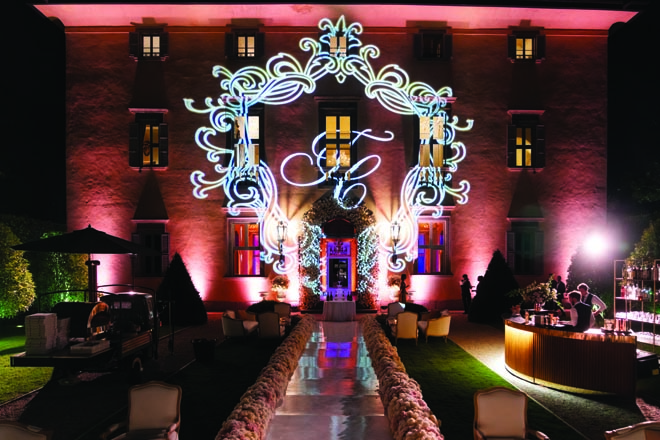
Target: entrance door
340,271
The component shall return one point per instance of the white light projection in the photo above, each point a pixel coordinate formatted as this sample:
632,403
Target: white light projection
250,184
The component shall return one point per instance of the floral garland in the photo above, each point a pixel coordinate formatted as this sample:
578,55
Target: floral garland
535,293
250,418
408,415
324,209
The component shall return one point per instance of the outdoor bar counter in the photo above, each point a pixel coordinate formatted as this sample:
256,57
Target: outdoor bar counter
590,362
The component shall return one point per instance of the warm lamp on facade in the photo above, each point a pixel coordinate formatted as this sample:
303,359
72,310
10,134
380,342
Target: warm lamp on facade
395,228
281,237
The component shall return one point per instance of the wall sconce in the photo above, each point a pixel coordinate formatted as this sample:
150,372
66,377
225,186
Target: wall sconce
395,228
281,237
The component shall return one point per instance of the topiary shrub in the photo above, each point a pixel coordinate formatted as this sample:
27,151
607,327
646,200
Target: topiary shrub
491,300
178,292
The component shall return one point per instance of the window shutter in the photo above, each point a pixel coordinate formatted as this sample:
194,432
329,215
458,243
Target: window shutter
164,45
137,261
540,48
230,50
165,248
538,253
417,46
511,47
134,45
163,145
539,149
259,41
448,49
511,147
511,250
134,150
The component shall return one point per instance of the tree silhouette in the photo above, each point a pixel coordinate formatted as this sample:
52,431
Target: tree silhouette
491,301
178,292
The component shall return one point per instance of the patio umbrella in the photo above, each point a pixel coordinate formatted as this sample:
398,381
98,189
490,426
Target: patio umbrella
85,241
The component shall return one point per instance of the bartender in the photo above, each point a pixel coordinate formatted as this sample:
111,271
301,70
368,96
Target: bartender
581,316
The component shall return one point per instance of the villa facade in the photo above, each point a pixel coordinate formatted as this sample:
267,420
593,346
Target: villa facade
338,145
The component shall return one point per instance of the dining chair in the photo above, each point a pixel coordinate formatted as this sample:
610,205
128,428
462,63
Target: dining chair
237,328
501,413
10,430
154,412
283,310
406,327
649,430
269,325
393,309
435,327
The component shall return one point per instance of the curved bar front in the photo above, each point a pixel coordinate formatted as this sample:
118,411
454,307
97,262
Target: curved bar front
588,362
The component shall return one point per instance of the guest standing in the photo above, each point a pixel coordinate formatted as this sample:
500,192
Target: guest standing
466,293
597,305
403,292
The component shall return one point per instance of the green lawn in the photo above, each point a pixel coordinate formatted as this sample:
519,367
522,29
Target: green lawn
17,380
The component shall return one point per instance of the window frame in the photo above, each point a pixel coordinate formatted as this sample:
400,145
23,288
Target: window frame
538,46
137,132
136,44
525,261
417,141
328,108
528,120
232,247
232,38
233,141
445,263
441,38
143,262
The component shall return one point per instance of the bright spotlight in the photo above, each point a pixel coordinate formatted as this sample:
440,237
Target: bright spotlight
596,245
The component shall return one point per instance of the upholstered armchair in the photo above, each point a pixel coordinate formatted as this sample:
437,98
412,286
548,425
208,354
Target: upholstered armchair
639,431
283,310
501,413
405,327
154,412
435,327
269,325
18,431
233,327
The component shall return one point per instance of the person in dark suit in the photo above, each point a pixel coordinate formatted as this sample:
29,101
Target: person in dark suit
580,313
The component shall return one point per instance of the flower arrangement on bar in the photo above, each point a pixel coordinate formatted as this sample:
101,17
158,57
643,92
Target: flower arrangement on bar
280,285
536,294
406,411
250,418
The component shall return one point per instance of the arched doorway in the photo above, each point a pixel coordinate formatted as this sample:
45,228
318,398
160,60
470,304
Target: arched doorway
332,234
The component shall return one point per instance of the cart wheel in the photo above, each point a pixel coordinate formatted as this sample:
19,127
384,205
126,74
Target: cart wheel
135,371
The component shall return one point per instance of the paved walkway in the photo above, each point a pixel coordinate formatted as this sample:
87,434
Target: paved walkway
332,394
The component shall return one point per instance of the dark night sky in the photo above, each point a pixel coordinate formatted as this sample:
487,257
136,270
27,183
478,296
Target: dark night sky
32,181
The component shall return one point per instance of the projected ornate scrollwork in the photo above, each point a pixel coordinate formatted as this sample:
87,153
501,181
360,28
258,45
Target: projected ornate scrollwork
249,182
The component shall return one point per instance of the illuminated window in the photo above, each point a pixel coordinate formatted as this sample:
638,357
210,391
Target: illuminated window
524,247
148,44
338,121
154,237
431,135
526,46
245,247
432,254
526,142
433,44
338,46
246,138
148,141
244,43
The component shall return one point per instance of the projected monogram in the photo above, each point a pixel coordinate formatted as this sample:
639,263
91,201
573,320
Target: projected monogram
247,181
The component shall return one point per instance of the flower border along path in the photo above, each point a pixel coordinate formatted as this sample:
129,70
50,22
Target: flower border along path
409,416
255,410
